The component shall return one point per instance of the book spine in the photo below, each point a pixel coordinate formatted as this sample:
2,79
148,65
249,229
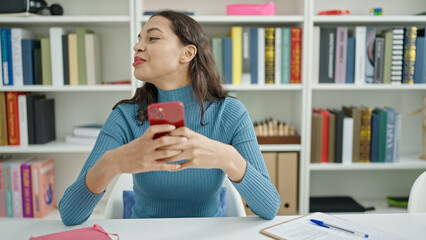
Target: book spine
23,120
269,55
374,137
360,54
27,191
16,189
93,59
339,136
217,54
227,61
17,34
348,126
65,60
378,60
73,60
254,55
46,63
3,120
381,155
410,35
27,61
327,48
286,55
55,34
397,139
36,183
2,192
397,55
12,118
278,56
6,58
350,61
81,55
369,63
1,63
390,134
419,70
388,57
296,55
261,56
44,188
37,66
8,189
340,58
237,55
246,76
365,135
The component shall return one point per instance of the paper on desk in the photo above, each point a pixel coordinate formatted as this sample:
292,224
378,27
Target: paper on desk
302,229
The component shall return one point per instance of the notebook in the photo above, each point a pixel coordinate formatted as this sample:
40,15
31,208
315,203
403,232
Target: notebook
94,232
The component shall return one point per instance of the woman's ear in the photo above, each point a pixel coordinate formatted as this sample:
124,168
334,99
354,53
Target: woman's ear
188,54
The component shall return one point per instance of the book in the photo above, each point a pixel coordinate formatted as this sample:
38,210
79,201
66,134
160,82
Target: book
316,138
324,133
236,33
397,55
347,140
28,46
246,45
387,56
37,66
73,59
355,113
397,139
1,66
65,59
350,60
420,65
340,57
93,59
410,35
90,130
360,54
390,134
27,192
217,48
379,60
269,55
286,55
300,227
3,120
381,152
369,61
57,58
296,55
81,54
261,56
338,135
6,56
227,60
80,140
12,109
23,119
374,146
365,135
44,117
2,187
31,125
278,55
332,138
17,35
43,186
254,38
16,180
327,55
46,62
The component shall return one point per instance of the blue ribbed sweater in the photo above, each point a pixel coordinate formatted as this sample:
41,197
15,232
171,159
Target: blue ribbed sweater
185,193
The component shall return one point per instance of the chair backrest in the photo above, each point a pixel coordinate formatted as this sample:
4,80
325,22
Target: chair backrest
417,199
114,207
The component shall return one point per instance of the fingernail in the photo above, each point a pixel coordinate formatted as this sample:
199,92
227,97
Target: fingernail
183,139
171,127
177,166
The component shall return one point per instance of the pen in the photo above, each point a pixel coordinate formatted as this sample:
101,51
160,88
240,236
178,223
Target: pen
327,225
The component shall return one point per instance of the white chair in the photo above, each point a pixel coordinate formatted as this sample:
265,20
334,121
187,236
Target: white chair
114,206
417,199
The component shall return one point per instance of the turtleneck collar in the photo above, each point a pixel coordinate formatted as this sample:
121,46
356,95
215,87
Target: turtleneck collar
183,94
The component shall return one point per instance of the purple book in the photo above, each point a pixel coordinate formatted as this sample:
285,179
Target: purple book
27,192
341,52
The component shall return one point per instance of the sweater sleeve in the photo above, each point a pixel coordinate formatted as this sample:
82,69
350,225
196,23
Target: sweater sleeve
256,187
78,202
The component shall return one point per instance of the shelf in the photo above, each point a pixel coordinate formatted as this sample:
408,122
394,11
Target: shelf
408,162
280,147
380,206
326,86
266,87
49,20
220,19
369,19
52,147
85,88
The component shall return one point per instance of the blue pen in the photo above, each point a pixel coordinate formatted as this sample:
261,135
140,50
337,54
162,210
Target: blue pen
327,225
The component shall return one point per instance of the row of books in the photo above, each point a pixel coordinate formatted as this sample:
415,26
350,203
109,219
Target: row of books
363,56
255,55
355,134
60,59
26,118
84,134
27,187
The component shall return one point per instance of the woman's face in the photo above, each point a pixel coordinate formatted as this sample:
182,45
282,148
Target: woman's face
158,55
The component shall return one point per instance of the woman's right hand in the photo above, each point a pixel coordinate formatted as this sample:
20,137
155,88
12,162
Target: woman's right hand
139,155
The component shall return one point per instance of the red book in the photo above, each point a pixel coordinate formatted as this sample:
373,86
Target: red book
296,55
12,118
324,136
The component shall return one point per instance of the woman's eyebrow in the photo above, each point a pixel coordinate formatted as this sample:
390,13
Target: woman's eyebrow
150,30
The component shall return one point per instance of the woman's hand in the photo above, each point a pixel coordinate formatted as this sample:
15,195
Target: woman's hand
203,152
140,155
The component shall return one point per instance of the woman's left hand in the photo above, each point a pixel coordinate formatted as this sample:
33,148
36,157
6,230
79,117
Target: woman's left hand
203,152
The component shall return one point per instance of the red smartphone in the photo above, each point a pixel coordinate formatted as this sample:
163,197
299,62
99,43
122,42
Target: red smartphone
166,113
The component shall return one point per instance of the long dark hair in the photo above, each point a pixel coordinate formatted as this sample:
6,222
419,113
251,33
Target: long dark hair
205,78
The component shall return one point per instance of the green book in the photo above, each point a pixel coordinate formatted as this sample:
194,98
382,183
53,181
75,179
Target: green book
285,58
387,65
383,117
218,54
46,65
81,54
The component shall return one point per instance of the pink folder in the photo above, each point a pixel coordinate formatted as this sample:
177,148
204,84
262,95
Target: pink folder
95,232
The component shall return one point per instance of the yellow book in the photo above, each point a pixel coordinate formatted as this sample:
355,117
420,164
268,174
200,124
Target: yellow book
236,34
365,135
72,57
269,55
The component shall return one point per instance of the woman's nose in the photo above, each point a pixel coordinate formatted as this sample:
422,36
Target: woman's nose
139,48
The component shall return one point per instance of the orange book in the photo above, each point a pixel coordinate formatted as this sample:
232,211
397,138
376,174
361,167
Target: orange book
43,186
296,55
12,118
325,131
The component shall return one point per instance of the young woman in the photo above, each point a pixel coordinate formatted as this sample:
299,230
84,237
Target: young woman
180,174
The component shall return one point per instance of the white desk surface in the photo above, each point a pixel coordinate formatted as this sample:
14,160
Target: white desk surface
409,226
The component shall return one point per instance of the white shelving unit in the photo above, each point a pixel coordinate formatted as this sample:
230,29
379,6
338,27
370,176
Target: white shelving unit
118,23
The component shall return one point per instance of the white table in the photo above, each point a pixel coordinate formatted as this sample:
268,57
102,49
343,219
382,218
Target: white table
409,226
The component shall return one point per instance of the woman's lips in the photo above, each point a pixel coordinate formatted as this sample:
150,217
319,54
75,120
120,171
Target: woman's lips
138,60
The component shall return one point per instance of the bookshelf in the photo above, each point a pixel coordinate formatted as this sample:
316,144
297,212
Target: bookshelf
118,22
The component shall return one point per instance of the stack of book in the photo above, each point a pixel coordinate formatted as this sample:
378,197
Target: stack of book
27,187
84,134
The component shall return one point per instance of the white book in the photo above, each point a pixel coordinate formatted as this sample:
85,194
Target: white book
360,55
316,55
397,138
16,35
23,120
278,55
80,140
261,56
90,130
246,75
93,59
56,51
348,128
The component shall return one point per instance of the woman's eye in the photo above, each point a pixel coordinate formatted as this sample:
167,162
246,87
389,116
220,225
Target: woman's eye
152,38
